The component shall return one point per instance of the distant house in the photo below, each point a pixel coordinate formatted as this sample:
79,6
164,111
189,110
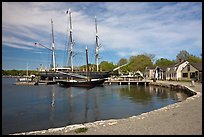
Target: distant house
159,73
149,72
155,73
173,72
192,71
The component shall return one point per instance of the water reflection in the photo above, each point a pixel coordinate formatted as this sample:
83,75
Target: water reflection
135,93
144,94
28,108
91,107
86,106
97,112
52,107
70,115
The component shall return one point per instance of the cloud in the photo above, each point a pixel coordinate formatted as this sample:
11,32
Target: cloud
128,28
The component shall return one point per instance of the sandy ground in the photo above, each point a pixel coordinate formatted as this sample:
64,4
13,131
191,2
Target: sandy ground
182,118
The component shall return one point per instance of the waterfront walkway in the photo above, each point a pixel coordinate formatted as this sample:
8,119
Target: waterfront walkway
182,118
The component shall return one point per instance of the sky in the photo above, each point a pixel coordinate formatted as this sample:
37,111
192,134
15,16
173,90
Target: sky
124,30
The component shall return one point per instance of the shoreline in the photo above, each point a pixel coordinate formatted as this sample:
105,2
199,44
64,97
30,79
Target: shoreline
179,118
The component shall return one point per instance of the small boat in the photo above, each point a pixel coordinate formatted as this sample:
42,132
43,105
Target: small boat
26,83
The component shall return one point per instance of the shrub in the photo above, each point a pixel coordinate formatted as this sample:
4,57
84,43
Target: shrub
79,130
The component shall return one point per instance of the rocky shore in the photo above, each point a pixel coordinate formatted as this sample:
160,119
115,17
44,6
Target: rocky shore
182,118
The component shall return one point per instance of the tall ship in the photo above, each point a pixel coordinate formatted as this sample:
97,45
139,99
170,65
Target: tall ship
70,71
83,81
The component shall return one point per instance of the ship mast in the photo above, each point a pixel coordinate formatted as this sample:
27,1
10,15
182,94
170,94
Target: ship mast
71,40
53,48
97,45
87,63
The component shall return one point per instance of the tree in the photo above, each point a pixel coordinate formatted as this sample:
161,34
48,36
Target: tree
122,61
139,62
182,55
163,62
106,66
194,59
151,56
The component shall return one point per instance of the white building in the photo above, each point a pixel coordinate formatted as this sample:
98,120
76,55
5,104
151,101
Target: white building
174,72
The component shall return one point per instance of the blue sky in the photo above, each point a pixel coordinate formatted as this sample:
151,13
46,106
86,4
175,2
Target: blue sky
125,29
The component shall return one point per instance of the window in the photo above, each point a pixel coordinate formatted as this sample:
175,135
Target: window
188,67
185,75
192,75
196,73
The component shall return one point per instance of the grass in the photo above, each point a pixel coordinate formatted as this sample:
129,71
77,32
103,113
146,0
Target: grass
79,130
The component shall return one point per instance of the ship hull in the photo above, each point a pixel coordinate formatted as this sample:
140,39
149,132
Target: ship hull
92,75
85,84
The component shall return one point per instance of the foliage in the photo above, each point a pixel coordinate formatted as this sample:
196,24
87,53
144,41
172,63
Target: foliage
79,130
106,66
122,61
163,62
92,67
18,72
182,55
194,59
139,62
151,56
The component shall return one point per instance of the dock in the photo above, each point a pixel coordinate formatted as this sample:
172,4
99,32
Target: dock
127,82
46,82
26,83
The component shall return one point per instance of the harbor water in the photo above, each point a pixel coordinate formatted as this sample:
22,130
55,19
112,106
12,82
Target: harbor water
39,107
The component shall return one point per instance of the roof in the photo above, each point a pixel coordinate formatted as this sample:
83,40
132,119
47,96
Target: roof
198,66
179,63
172,70
176,64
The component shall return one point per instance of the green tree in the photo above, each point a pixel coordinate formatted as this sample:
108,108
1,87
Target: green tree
122,61
107,66
139,62
194,59
163,62
151,56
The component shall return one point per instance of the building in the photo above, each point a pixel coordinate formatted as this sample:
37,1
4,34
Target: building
149,72
173,72
192,71
157,73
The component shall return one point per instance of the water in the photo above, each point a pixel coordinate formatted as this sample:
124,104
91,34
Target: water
29,108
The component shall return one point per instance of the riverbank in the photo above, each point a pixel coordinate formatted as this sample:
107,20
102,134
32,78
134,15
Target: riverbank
182,118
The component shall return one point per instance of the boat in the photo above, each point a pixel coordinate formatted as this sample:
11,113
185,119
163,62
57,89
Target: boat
26,78
26,83
83,81
68,71
92,74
